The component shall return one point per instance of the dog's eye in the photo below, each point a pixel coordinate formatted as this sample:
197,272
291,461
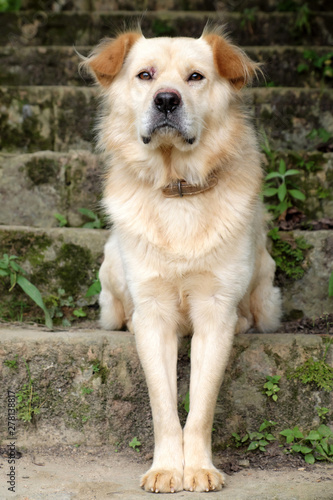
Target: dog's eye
144,75
195,77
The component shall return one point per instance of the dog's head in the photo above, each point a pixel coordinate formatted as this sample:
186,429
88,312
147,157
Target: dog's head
170,90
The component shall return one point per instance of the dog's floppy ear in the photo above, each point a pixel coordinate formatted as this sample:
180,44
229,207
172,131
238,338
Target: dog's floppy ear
231,62
107,59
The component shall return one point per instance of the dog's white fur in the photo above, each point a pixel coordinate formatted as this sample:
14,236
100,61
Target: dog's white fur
179,265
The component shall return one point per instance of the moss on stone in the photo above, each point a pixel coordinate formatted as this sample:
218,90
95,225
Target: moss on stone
42,170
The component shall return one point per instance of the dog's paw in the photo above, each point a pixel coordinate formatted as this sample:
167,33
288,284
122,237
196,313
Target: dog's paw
203,479
162,481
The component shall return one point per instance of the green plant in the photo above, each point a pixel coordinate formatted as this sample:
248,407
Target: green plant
96,367
186,402
314,446
303,19
10,5
62,221
318,373
12,363
323,64
322,412
256,440
87,390
135,444
79,313
319,133
279,184
95,288
288,254
248,17
61,307
28,404
330,285
95,223
272,386
9,268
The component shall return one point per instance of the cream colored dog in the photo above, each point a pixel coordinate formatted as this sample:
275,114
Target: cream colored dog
188,247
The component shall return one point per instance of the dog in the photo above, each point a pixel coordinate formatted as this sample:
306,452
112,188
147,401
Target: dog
187,253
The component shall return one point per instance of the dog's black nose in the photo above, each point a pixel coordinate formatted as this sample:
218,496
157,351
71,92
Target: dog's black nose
167,102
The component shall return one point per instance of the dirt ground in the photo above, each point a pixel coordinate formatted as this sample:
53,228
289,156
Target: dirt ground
101,474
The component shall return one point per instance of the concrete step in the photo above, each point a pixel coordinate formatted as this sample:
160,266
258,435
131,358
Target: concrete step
35,186
152,5
91,387
59,66
20,29
52,118
69,258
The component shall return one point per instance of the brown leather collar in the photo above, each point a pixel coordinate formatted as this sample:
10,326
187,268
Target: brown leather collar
182,188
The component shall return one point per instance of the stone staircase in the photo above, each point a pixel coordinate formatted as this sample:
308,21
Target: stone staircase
48,165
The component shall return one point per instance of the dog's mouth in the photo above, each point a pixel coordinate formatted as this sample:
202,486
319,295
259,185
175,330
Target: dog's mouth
166,126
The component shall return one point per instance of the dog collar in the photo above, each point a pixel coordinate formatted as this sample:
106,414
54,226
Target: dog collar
182,188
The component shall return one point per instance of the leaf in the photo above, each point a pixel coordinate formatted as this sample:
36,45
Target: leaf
274,397
325,431
263,442
35,295
282,167
313,435
272,175
309,458
330,285
94,289
270,437
268,192
253,446
79,313
297,433
302,67
305,450
292,171
295,193
88,213
296,448
282,191
61,219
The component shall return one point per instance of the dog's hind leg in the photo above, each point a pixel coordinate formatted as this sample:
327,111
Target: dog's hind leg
114,300
265,299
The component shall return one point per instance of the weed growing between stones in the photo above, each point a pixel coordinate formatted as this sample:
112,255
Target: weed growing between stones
12,363
28,401
256,440
10,269
272,386
135,444
318,373
316,63
289,255
316,445
61,308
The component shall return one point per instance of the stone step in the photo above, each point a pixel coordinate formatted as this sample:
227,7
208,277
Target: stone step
36,186
190,5
69,258
68,28
62,118
90,388
59,66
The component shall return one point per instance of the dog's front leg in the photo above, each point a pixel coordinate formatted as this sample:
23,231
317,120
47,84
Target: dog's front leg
214,323
155,331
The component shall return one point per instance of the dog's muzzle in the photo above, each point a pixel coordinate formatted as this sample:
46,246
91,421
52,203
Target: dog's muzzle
166,105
